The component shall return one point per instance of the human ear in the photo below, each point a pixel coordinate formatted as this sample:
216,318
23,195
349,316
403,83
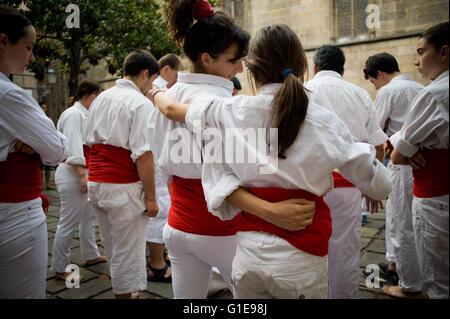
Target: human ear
445,52
205,59
3,40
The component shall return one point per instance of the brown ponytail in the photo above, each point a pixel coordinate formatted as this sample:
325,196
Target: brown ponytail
275,49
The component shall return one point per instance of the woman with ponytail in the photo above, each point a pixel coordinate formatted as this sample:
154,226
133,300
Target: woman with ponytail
71,181
27,138
310,142
195,239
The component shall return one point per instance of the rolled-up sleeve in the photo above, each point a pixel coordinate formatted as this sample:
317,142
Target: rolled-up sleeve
139,138
73,132
23,119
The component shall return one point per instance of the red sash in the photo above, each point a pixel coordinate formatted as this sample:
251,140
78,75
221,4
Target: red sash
111,164
189,213
389,145
340,181
87,154
20,178
312,240
432,180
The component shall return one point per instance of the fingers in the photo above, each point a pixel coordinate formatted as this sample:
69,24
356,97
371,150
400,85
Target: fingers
413,164
419,159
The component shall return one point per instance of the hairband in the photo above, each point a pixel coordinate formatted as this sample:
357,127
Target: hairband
202,10
285,72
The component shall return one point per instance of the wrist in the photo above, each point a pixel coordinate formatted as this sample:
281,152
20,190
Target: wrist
154,94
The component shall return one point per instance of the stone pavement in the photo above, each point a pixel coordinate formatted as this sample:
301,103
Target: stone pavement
97,284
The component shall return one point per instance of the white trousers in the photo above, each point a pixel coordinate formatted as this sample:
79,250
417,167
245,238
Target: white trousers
344,246
119,209
430,221
156,224
266,267
23,250
75,213
192,257
401,232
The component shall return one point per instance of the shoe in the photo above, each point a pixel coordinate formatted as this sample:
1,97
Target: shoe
389,273
158,274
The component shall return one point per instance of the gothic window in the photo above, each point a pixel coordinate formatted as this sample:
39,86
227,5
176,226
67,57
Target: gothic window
235,8
350,18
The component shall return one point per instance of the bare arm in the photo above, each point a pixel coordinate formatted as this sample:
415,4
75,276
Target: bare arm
292,214
146,170
167,105
379,152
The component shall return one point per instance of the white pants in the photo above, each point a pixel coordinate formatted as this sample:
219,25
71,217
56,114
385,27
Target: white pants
119,209
266,266
192,256
401,232
344,246
75,212
23,250
430,221
156,224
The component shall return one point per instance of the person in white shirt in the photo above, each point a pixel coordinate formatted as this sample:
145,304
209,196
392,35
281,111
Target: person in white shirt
353,105
169,66
195,239
310,142
422,143
27,137
395,93
158,262
121,185
71,181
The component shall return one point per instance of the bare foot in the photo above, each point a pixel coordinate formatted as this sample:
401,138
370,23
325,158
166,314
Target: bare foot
132,295
98,260
396,292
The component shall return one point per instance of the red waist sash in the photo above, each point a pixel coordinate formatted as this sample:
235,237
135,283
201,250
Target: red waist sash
432,180
87,154
340,181
312,240
20,178
111,164
189,213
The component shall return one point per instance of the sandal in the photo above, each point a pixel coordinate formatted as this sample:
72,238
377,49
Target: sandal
158,274
392,275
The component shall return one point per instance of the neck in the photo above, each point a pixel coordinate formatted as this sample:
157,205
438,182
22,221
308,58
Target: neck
439,73
4,69
135,80
392,75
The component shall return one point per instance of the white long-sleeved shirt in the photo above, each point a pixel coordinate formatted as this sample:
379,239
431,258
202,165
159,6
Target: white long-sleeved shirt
72,124
393,102
427,123
175,148
119,117
22,119
160,82
352,104
323,144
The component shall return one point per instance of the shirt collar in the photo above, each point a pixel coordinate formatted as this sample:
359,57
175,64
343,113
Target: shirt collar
323,73
441,77
80,107
271,88
4,77
161,80
202,78
127,84
402,77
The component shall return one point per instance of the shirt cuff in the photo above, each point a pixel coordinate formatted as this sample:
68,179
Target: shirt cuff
76,160
139,152
381,184
379,138
216,198
404,147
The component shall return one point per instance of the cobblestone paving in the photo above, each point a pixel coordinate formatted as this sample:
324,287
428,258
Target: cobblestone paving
97,284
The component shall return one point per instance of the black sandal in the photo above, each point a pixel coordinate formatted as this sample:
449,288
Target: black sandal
158,274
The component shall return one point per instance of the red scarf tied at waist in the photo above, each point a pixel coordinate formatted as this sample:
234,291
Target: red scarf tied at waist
432,179
312,240
111,164
189,212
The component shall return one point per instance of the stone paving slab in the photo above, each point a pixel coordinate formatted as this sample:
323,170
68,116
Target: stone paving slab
368,258
161,289
87,289
377,246
369,232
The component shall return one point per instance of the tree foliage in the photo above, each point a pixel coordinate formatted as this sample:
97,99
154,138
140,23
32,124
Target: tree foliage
109,29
